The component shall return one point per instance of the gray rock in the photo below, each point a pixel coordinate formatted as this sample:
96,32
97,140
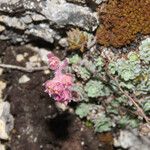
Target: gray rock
42,31
23,79
12,22
2,28
63,42
41,51
70,14
99,1
13,6
43,19
14,37
6,120
27,19
2,147
132,141
38,17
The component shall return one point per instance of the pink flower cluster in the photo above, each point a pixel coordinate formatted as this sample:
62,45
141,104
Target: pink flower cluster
53,61
60,87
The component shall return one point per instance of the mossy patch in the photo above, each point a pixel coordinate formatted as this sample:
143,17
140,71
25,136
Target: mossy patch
122,20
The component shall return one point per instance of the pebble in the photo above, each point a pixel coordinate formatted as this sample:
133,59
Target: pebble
1,108
2,87
34,58
82,129
1,71
43,55
82,143
25,54
50,106
47,71
99,1
61,106
71,110
19,57
3,134
94,111
41,146
2,28
19,136
24,79
2,147
6,120
35,140
63,42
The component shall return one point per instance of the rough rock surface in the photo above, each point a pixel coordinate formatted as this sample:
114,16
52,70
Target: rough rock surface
23,20
6,120
132,141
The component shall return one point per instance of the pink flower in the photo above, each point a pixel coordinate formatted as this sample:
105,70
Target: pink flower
60,88
53,61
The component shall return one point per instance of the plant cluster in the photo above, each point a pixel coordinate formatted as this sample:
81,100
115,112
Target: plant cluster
60,87
121,20
110,91
105,101
78,40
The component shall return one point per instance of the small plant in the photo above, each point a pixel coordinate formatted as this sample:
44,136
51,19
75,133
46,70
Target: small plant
83,110
96,89
105,89
60,87
78,40
145,50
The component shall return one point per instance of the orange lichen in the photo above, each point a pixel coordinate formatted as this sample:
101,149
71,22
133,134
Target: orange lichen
121,20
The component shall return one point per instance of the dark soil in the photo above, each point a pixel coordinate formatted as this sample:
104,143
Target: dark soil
39,125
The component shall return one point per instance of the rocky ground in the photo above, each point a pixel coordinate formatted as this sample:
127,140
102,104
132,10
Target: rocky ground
39,124
29,119
46,19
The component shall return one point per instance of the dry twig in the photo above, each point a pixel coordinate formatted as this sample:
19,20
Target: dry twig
24,69
139,109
